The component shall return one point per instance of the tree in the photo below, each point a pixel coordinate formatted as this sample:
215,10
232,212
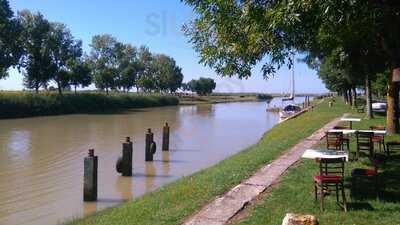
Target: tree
10,39
36,61
202,86
104,62
232,36
145,59
169,75
128,65
63,48
80,74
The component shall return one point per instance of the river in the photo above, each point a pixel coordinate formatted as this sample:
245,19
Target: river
41,170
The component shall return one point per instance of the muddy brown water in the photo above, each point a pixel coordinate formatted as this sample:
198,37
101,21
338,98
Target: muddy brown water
41,170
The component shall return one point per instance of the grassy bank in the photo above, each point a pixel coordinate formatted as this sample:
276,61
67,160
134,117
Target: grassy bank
19,104
295,193
174,202
217,98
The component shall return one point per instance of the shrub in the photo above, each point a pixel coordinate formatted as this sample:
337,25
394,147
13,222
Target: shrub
18,104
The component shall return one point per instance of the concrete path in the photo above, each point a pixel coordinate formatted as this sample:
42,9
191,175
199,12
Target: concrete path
223,208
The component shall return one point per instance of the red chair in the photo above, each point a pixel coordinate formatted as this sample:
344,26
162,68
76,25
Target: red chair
330,178
334,140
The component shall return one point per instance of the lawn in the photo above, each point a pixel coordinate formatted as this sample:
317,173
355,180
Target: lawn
174,202
295,193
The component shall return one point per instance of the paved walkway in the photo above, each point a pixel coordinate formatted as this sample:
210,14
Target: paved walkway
222,209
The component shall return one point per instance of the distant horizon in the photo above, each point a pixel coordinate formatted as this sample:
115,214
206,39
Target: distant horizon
157,25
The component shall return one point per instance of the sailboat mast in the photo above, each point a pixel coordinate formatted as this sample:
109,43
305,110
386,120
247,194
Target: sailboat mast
292,94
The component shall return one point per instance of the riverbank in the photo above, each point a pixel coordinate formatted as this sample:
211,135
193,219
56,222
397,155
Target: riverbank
172,203
20,104
216,98
294,193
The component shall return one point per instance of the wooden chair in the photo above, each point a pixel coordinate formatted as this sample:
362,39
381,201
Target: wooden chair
334,140
364,143
345,138
379,138
392,145
330,178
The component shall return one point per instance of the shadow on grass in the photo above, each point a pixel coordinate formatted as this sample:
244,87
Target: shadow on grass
388,184
355,206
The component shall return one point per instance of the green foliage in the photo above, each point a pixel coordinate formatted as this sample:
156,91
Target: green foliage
80,74
37,60
202,86
63,49
15,105
267,97
10,39
168,75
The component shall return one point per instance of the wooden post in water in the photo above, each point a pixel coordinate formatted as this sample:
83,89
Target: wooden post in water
124,163
90,177
148,145
165,139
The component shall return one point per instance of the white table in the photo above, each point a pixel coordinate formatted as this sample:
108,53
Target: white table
350,120
344,131
324,154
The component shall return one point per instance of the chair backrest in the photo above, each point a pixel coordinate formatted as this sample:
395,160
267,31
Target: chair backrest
334,140
377,127
364,141
332,167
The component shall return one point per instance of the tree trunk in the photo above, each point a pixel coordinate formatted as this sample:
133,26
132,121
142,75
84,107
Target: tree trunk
345,97
350,97
392,116
368,98
107,91
75,88
59,88
354,97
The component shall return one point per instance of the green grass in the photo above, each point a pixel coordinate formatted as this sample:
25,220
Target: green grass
295,193
20,104
172,203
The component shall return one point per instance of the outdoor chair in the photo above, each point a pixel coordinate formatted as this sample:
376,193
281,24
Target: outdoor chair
345,138
334,140
379,139
392,145
330,178
364,143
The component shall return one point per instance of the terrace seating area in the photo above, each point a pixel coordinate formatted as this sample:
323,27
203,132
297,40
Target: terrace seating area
364,151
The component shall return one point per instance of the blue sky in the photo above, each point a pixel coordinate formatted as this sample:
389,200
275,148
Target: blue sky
157,24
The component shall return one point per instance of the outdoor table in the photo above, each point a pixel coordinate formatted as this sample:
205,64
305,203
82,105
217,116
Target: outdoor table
382,132
351,120
324,154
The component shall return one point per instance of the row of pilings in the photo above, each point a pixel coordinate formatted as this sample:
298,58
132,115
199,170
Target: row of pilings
124,163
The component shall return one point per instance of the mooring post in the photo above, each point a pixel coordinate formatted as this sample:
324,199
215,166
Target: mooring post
90,177
149,141
165,143
124,163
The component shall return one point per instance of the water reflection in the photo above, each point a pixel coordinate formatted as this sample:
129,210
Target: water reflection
165,162
124,185
150,173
